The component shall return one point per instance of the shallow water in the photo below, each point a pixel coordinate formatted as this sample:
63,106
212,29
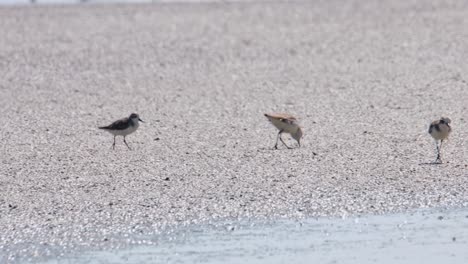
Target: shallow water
419,237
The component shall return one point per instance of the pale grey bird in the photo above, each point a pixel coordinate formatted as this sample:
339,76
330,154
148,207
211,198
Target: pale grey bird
285,123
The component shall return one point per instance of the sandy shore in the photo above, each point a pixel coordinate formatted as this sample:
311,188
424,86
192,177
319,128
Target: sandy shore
365,78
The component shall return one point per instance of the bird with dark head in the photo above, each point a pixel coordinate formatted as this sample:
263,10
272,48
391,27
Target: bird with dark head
123,127
440,130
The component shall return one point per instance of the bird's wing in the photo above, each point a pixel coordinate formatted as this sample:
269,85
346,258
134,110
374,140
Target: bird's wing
286,118
282,116
120,124
434,125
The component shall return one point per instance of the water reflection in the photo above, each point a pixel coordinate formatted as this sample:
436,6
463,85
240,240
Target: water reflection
420,237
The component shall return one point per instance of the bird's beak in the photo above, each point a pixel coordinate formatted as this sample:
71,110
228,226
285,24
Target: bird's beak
141,120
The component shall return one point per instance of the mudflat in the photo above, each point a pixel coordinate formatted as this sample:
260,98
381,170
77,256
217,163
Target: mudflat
365,79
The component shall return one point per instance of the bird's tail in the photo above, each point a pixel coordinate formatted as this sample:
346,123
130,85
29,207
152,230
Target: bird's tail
104,127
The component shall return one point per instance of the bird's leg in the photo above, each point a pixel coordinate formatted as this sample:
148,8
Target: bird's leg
279,136
113,145
284,143
127,144
438,152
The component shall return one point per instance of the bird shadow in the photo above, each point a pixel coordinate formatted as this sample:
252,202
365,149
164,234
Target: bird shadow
431,163
273,149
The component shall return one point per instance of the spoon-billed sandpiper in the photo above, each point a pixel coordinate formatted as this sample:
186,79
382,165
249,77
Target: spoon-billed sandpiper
286,123
440,130
123,127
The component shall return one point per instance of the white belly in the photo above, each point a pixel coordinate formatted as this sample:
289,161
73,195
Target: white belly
438,135
124,132
288,128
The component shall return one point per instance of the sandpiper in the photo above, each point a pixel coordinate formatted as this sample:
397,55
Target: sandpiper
440,130
286,123
123,127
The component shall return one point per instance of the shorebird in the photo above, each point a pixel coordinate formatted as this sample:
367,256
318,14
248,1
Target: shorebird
123,127
285,123
440,130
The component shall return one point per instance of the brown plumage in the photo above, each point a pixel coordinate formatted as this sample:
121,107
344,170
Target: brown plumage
285,123
440,130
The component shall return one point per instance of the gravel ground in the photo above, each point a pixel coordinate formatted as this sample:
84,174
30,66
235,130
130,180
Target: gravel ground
365,78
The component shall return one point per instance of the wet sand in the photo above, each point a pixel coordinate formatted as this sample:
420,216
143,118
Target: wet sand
430,236
365,79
